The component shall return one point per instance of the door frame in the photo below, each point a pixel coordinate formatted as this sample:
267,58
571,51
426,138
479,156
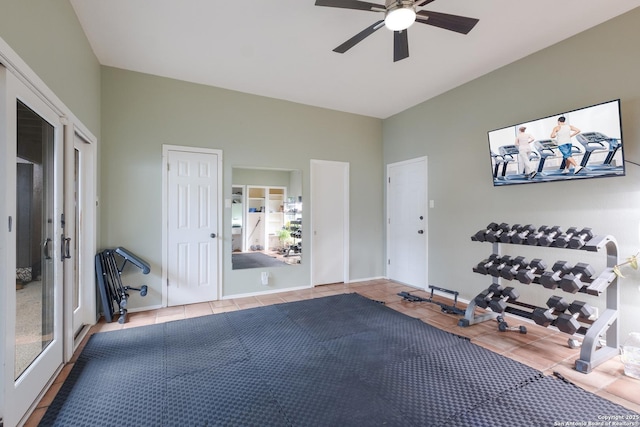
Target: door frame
345,214
166,148
423,160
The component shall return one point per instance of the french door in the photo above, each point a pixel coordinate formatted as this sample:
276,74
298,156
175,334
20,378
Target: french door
47,242
32,245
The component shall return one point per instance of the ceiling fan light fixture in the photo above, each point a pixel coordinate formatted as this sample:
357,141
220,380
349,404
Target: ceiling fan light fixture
400,15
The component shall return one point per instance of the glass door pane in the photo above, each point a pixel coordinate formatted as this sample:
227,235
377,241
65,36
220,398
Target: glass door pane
35,224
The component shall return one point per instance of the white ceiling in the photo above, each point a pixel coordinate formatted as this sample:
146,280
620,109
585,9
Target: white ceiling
283,48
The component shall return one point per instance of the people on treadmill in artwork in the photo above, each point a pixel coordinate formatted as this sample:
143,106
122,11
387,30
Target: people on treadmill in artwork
563,133
523,142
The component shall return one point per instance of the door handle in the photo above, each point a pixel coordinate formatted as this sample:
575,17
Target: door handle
420,231
45,248
213,235
66,247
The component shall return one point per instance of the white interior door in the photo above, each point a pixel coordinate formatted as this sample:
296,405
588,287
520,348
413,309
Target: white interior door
30,245
329,222
193,203
407,222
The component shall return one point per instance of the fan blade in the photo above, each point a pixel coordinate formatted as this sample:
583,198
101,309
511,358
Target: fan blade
400,45
423,3
459,24
351,4
359,37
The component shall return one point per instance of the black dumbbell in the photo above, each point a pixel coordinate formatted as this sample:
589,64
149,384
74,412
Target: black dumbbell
480,235
532,238
521,237
494,235
499,303
551,279
550,236
573,281
483,265
544,317
506,237
581,238
562,241
527,275
495,268
483,298
568,323
504,326
516,264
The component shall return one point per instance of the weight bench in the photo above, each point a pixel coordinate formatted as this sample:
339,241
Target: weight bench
113,294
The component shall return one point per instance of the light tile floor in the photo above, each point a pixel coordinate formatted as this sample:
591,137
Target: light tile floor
541,348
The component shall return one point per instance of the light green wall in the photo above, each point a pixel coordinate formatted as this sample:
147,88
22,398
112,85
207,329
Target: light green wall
141,112
451,130
49,38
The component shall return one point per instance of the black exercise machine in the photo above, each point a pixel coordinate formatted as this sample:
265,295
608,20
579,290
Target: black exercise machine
112,293
596,141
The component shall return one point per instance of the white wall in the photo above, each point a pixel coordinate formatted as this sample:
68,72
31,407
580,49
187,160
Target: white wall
592,67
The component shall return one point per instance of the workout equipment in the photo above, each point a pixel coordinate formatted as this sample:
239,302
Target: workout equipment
550,236
572,282
544,317
495,268
568,323
504,326
516,264
600,342
528,275
562,241
532,238
596,141
506,237
581,238
521,237
551,279
499,304
113,294
480,234
445,308
547,150
483,299
494,235
483,266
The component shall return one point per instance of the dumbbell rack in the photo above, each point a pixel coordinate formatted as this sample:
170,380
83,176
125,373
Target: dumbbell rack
591,353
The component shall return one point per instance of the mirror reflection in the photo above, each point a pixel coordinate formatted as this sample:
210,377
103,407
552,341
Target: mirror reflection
266,218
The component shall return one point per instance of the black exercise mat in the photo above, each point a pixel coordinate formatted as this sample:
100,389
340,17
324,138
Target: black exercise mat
254,260
342,360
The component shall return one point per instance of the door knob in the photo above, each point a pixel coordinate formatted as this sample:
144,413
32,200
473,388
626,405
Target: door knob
213,235
420,231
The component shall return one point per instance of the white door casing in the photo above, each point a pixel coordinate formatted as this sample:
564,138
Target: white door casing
407,234
329,222
191,269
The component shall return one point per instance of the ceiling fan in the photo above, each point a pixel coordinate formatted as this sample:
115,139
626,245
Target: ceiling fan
398,16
